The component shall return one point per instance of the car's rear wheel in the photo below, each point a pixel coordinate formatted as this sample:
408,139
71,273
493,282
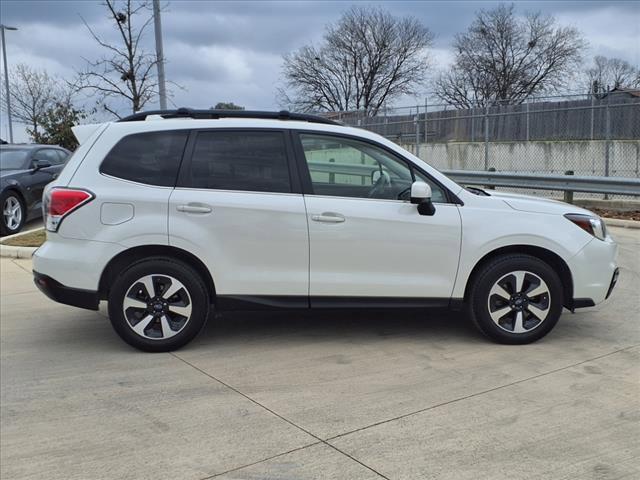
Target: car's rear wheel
516,299
158,305
13,213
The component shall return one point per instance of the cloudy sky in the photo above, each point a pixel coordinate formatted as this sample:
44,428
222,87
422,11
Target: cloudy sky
232,51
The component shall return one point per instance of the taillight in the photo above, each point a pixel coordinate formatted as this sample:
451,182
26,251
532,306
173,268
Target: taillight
60,202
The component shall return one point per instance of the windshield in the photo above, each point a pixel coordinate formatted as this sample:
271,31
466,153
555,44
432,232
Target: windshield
13,159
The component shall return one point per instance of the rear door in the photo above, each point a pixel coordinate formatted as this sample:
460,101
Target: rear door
238,207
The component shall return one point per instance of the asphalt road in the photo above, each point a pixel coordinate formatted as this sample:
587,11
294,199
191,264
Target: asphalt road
321,395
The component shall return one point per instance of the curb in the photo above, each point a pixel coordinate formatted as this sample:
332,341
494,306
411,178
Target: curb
8,251
618,222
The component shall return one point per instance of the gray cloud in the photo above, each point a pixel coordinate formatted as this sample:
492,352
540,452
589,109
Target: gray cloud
232,51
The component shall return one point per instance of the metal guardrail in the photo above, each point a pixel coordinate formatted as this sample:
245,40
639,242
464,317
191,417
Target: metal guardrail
567,183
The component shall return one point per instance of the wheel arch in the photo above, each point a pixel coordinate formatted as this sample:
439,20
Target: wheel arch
16,189
118,263
551,258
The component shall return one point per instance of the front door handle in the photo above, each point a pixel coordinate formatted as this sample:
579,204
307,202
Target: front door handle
328,217
194,208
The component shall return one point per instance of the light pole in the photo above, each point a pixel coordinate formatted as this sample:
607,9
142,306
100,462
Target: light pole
6,78
157,24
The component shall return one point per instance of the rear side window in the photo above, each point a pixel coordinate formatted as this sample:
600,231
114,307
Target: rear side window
152,158
248,161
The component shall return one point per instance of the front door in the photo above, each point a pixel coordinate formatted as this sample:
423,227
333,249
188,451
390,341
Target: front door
366,239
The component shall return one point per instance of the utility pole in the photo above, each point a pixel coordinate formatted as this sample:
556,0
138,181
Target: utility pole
6,78
157,24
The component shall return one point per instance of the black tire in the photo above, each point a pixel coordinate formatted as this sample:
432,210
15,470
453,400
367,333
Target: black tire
500,269
4,228
160,268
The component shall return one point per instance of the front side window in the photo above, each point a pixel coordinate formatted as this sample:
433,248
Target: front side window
347,167
234,160
50,155
152,157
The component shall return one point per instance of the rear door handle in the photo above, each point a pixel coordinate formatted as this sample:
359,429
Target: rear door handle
194,208
328,217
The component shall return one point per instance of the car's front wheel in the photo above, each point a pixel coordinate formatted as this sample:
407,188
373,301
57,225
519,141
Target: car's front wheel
158,304
13,213
516,299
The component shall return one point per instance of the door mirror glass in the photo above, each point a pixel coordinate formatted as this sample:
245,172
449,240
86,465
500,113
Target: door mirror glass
420,192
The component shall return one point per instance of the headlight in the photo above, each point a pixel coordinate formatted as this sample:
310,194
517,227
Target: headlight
589,223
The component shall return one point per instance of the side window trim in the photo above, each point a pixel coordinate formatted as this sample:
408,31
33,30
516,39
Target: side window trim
183,177
305,175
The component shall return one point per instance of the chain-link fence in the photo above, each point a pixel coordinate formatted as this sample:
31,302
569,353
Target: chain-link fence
585,134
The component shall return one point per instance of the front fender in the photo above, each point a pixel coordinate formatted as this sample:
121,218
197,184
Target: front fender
485,231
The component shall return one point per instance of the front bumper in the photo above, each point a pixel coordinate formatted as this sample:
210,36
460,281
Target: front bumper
614,280
594,272
62,294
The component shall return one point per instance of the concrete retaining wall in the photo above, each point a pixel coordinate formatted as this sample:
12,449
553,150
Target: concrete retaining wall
583,157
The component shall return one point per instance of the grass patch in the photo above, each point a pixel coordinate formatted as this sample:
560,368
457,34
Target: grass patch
31,239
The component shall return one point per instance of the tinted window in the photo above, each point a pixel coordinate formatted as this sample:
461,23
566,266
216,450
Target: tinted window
350,168
64,156
152,158
250,161
13,159
49,154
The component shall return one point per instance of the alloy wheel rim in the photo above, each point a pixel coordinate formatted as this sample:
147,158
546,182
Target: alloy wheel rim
157,306
12,212
519,302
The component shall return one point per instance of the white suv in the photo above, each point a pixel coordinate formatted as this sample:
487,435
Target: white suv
171,215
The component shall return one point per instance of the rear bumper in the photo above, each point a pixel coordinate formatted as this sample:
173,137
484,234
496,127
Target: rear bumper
62,294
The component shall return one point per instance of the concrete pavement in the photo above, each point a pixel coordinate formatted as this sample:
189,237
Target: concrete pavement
322,395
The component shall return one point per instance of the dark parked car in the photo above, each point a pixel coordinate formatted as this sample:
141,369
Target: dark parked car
24,172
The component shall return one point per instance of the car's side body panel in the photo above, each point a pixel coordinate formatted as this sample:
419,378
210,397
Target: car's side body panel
382,248
253,243
490,224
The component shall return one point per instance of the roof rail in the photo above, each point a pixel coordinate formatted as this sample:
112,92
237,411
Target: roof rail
215,114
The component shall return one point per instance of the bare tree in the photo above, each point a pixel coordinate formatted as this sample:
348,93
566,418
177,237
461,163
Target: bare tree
33,92
367,58
503,58
227,106
127,72
607,74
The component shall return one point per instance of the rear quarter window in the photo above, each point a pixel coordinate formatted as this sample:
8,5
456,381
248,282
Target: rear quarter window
151,157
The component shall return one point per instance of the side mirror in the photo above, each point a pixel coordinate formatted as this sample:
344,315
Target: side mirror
40,164
421,196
